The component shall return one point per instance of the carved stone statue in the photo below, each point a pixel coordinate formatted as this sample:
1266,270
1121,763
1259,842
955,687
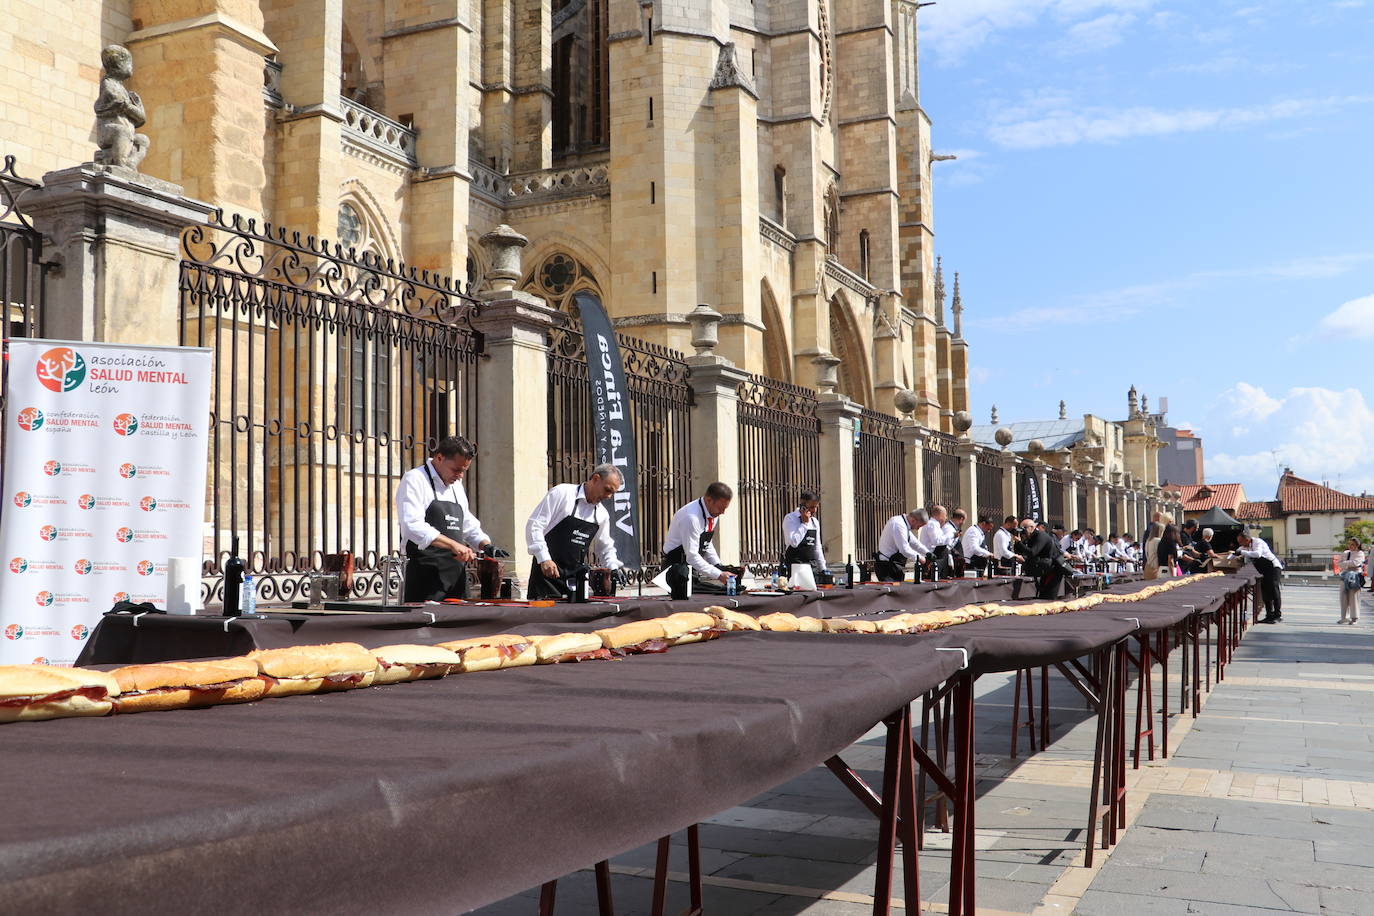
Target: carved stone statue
119,113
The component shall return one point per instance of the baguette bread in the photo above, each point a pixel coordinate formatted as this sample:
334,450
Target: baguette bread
488,653
780,622
808,625
184,685
396,664
733,620
569,647
29,692
315,669
688,627
640,635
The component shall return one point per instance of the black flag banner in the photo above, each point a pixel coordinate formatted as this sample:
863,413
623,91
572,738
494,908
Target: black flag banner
612,424
1030,499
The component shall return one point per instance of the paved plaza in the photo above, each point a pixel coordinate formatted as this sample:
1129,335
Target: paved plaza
1266,804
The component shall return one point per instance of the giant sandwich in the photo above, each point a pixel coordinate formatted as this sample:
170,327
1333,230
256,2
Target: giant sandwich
43,692
569,647
315,669
487,653
635,638
688,627
413,663
181,685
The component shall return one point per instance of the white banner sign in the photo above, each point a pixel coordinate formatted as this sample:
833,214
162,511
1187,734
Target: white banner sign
104,480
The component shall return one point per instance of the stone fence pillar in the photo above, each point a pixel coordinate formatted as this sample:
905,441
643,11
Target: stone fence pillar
116,237
715,439
1011,493
837,415
968,479
913,455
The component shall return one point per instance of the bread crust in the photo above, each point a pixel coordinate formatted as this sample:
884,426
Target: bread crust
413,663
630,634
165,698
59,709
554,648
312,662
734,620
779,622
488,653
807,624
42,680
133,678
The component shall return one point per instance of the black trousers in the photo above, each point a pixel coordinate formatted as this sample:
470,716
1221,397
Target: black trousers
1269,588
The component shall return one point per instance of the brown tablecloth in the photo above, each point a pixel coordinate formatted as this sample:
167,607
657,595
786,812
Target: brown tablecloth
120,639
431,797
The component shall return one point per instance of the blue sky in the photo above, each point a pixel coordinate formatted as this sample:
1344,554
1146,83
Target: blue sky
1178,196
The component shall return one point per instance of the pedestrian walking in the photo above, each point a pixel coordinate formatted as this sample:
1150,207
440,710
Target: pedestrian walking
1351,569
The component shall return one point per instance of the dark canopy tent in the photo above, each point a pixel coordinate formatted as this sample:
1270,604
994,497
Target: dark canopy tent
1224,528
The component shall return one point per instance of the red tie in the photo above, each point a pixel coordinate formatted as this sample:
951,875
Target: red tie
710,523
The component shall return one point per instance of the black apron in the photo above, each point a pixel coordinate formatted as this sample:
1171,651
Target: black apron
678,557
893,568
567,542
433,573
805,552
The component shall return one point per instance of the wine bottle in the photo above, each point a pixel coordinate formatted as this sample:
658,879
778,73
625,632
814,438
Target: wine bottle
849,571
233,581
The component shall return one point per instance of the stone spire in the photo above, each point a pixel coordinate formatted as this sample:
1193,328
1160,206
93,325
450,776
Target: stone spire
939,291
1144,406
994,414
957,306
1133,402
1063,410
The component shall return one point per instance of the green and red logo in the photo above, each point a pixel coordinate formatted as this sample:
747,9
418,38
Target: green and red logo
128,471
145,567
61,369
19,565
83,567
40,660
43,599
147,504
14,631
124,535
30,419
119,596
126,424
22,499
80,631
52,468
48,532
85,501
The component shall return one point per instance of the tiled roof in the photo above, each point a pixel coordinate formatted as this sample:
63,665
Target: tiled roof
1299,495
1226,495
1257,511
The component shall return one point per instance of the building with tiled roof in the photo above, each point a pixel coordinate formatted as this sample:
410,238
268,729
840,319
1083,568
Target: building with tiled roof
1306,518
1198,498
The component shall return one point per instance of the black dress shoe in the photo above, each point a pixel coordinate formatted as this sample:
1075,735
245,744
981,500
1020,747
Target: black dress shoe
1267,620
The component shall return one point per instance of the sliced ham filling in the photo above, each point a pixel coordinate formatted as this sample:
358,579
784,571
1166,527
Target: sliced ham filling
90,693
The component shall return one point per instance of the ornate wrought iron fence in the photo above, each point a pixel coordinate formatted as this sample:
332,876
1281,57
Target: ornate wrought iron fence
335,373
990,476
661,404
1113,517
1082,497
1054,498
879,478
22,270
779,456
940,467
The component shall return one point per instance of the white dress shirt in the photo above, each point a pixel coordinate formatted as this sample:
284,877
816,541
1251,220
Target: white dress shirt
793,531
1067,543
685,532
1259,550
973,543
934,534
1001,544
898,538
563,500
1352,561
416,491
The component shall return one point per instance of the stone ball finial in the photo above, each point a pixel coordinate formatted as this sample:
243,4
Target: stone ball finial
1036,448
905,401
705,323
1003,436
118,113
503,246
962,421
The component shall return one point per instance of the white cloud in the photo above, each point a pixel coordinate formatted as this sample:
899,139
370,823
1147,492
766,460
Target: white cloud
1042,317
968,169
1067,127
1352,319
951,30
1106,31
1319,432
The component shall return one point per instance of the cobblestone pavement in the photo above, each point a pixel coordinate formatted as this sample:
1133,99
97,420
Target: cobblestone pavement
1266,804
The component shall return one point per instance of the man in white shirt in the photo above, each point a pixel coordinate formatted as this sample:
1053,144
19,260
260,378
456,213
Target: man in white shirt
972,543
801,535
689,540
1270,567
1068,544
898,544
936,539
1003,546
567,520
954,530
440,533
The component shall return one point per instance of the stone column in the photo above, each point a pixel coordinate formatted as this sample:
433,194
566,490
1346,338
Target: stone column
1011,495
1071,519
715,433
913,456
513,379
1122,516
837,415
116,236
1040,469
968,478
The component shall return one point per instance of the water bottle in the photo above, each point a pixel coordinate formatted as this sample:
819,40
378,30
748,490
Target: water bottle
248,598
730,585
774,582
